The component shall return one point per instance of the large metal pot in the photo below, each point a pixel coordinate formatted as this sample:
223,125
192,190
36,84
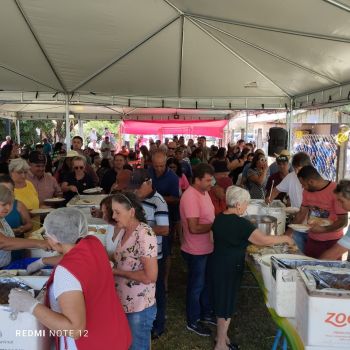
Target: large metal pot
265,223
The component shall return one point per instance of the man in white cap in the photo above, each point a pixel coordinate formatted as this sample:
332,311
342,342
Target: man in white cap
273,168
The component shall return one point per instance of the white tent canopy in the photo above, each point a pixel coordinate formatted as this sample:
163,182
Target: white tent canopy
224,54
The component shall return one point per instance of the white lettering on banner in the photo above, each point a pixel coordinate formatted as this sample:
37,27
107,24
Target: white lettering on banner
30,333
52,333
68,333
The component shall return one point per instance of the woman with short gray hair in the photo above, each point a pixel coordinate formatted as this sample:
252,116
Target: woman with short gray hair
231,234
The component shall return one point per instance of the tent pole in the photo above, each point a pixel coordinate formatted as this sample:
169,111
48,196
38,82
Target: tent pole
290,126
18,132
67,123
246,126
81,128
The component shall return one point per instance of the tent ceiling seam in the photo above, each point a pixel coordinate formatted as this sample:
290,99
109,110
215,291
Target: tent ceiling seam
173,6
114,110
116,60
338,4
238,56
271,29
322,90
271,53
31,29
25,76
181,56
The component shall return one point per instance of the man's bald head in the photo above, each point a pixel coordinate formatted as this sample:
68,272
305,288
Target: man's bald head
159,162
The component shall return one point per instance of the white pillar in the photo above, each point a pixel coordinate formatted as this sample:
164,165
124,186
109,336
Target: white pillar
18,131
67,124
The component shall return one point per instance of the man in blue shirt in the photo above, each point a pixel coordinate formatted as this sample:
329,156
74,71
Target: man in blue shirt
166,183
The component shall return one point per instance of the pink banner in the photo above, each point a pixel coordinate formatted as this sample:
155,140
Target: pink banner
179,127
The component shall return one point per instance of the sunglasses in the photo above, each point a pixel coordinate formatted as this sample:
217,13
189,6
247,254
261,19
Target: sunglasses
78,167
171,148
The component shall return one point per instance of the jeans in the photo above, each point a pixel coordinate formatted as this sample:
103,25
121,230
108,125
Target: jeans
300,239
159,322
140,325
197,294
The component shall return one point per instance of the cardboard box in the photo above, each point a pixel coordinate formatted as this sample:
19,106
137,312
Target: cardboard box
283,282
22,331
322,319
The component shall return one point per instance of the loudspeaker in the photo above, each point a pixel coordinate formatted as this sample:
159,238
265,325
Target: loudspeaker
278,141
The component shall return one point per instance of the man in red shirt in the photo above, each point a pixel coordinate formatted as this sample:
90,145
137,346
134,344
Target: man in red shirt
324,214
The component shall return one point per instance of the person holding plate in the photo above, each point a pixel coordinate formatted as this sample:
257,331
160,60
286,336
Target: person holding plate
322,211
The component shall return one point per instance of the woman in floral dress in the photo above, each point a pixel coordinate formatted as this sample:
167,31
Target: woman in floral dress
135,267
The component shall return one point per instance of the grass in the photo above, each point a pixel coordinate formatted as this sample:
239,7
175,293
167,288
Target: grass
252,326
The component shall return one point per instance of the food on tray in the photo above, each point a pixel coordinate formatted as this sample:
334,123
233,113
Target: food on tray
319,221
93,190
275,249
299,227
253,249
37,234
100,230
55,199
6,284
83,201
41,211
293,248
8,273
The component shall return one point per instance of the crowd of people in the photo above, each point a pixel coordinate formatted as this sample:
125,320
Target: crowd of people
189,191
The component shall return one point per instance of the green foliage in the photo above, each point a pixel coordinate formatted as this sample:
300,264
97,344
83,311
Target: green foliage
100,126
29,133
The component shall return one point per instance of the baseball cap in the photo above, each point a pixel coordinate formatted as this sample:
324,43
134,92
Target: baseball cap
284,152
71,154
281,159
139,176
37,157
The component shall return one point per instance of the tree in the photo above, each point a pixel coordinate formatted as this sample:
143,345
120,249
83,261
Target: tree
29,131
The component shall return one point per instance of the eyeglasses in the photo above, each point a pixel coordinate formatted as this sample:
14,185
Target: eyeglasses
78,167
171,148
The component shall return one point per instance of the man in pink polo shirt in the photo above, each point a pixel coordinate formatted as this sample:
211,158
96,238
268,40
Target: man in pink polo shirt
197,216
324,213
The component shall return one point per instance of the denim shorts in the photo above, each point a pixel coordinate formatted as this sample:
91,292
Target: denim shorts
141,325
